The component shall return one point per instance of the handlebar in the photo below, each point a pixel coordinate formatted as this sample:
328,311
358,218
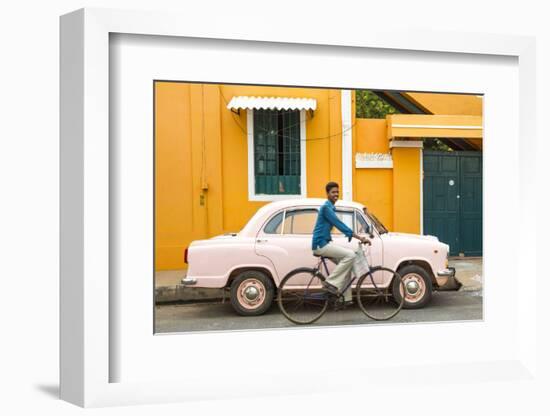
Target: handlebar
368,242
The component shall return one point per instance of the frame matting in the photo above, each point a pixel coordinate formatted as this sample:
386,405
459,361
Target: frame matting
87,305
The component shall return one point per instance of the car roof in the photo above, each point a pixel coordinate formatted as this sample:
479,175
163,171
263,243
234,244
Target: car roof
259,218
292,202
251,228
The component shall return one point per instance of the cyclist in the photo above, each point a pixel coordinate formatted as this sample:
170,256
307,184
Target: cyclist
322,244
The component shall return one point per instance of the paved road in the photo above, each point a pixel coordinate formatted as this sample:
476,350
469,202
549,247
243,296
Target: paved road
445,306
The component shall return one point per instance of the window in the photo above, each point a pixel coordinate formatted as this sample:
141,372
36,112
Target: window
277,158
347,218
274,224
376,222
300,221
362,226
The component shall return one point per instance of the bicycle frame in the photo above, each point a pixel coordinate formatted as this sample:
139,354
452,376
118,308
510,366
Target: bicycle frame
313,294
323,259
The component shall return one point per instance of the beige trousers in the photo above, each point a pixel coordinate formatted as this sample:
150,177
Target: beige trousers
342,272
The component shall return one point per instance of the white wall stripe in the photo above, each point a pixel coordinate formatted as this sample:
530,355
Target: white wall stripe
347,159
435,126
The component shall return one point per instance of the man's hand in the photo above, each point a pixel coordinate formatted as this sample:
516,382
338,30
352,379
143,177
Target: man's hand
365,240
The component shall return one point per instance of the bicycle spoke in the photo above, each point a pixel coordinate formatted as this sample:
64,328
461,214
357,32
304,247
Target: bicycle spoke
302,298
298,304
294,294
374,295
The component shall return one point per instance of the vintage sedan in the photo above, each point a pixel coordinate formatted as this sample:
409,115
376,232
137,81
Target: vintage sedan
250,264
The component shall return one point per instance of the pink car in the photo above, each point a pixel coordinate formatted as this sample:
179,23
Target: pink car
277,239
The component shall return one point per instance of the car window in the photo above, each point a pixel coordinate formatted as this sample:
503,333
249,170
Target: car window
346,217
361,224
300,221
274,224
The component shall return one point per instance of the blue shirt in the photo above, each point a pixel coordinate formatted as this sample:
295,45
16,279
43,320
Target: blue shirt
326,219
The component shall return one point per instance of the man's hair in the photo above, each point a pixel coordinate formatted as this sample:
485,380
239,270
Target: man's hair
331,185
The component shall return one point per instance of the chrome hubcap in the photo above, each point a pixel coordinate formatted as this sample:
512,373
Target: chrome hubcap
412,287
251,293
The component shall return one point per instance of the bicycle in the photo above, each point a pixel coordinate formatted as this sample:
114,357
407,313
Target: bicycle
303,297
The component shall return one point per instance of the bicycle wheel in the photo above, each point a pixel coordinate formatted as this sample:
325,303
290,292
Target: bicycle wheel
302,298
374,294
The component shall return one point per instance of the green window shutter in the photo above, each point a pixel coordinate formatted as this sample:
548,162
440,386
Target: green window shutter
277,152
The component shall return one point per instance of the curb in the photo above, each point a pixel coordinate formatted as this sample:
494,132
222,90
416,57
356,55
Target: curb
180,293
471,289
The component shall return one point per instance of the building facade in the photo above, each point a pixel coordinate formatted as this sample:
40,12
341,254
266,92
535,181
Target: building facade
223,151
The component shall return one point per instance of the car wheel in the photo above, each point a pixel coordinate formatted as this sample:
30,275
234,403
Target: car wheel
418,287
252,293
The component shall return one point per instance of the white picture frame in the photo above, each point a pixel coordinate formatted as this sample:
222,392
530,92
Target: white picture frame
87,308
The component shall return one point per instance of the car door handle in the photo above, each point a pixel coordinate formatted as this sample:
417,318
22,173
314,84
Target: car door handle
261,240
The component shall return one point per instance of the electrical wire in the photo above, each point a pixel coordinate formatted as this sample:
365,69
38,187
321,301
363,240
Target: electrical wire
232,113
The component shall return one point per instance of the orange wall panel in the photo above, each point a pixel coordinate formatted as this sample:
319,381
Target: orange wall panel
406,185
174,210
200,143
459,104
373,187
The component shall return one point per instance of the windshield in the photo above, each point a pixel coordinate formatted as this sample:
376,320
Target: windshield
377,223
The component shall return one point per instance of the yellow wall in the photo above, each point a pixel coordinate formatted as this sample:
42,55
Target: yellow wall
406,125
449,104
393,195
373,187
175,213
200,143
202,164
406,185
452,104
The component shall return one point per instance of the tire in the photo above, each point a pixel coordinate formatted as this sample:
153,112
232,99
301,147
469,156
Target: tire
316,299
378,303
252,293
418,275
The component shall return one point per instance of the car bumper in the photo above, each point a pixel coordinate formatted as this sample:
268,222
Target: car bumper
202,281
446,279
189,281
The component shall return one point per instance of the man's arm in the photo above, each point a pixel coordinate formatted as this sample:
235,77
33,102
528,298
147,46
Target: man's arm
333,219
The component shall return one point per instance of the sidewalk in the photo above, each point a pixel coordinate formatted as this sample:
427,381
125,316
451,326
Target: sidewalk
469,272
168,286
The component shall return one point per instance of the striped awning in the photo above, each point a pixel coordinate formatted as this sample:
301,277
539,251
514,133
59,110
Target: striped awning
271,103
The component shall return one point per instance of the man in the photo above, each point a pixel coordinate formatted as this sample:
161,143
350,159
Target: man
322,244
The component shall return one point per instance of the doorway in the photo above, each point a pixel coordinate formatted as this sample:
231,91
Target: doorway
452,197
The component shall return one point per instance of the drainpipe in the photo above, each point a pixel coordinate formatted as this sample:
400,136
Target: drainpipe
347,157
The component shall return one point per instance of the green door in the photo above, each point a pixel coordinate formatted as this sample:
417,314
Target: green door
471,224
452,189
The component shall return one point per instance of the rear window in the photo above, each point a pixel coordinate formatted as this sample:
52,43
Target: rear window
300,221
274,224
